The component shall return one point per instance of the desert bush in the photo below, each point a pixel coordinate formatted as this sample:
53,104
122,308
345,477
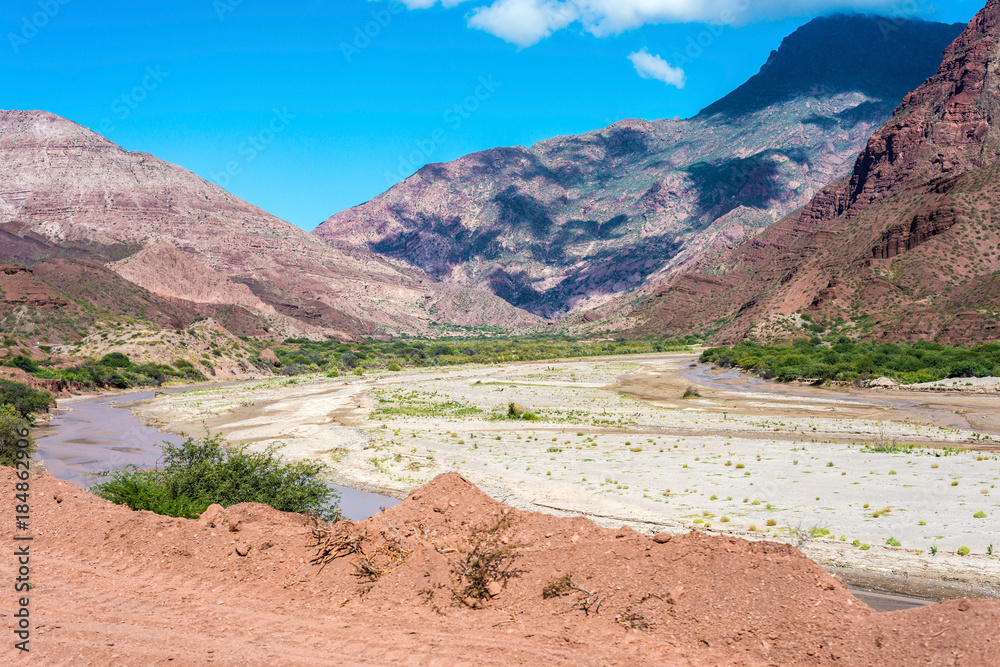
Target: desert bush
558,587
487,556
198,473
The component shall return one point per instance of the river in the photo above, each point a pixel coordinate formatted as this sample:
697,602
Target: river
89,436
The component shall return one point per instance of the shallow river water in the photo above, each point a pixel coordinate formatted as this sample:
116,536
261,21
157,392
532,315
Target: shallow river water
90,436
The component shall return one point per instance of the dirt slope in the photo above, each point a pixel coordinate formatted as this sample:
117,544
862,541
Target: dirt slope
116,587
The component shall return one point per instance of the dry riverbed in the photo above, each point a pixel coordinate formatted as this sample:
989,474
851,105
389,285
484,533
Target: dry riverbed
615,441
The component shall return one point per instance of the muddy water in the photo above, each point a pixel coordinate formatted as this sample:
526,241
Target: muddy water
87,437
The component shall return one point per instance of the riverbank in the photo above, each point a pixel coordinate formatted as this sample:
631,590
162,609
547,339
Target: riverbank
616,442
248,585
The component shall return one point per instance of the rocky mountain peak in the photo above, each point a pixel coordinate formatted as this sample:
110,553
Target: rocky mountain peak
877,56
905,247
946,126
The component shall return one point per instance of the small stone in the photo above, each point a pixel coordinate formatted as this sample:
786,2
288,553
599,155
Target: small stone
243,549
494,588
675,595
58,497
234,527
662,538
574,539
964,605
212,515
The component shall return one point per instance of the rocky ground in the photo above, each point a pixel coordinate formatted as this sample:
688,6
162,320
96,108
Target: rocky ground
615,441
252,586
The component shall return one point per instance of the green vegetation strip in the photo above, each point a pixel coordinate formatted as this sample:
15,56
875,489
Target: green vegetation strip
302,355
846,360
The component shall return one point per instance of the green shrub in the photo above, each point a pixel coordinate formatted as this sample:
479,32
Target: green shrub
26,364
198,473
394,367
893,542
12,421
964,551
116,360
24,399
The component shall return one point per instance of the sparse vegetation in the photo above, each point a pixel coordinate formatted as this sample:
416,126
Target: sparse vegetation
487,557
557,587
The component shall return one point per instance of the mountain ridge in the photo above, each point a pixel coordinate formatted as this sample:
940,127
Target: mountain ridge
571,223
904,247
66,191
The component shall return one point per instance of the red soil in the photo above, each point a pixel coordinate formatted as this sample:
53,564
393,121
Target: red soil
117,587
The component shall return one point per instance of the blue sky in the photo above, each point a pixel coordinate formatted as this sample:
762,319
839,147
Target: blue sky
288,107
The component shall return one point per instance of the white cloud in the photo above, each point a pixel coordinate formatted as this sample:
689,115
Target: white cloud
425,4
526,22
650,66
523,22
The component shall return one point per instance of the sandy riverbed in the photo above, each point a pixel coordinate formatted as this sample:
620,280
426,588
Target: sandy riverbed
615,441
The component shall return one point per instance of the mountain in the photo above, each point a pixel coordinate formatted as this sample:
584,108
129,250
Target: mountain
155,241
906,247
572,222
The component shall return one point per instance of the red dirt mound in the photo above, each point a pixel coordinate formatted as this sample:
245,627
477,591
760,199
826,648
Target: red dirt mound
448,577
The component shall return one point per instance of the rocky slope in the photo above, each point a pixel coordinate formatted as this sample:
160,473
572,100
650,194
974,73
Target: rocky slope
571,222
67,192
906,247
248,585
